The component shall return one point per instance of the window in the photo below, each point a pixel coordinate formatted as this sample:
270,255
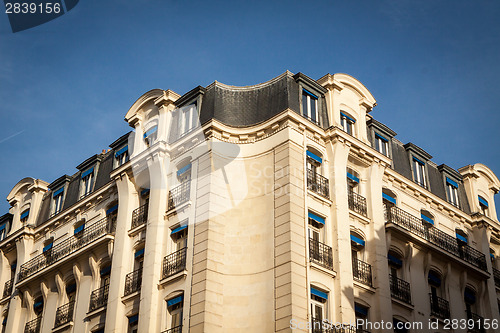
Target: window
381,144
313,163
483,205
57,198
419,172
388,197
71,291
25,215
427,218
150,136
352,180
434,280
47,248
79,228
470,301
400,326
461,237
357,247
310,106
105,273
347,123
122,156
319,300
174,308
184,173
3,231
188,119
179,236
87,182
361,314
395,263
133,323
38,306
452,191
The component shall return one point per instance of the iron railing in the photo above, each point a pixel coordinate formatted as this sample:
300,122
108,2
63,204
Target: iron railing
320,254
133,282
179,195
7,289
400,289
315,121
435,236
324,326
357,203
439,307
33,326
99,298
362,271
174,263
318,184
496,276
176,329
64,314
67,247
475,323
140,216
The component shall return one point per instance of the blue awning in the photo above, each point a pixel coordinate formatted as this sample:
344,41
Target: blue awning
352,177
133,319
59,191
309,93
482,201
492,256
2,226
319,293
316,218
388,198
451,182
395,261
344,115
121,151
151,131
381,137
184,169
145,191
419,161
434,279
427,219
79,229
314,157
88,172
175,300
105,271
357,240
461,238
112,209
361,310
139,253
38,305
176,230
25,214
47,247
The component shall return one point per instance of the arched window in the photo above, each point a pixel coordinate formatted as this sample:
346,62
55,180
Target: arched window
388,197
427,218
483,205
319,300
461,237
470,302
439,306
352,180
174,313
395,261
347,122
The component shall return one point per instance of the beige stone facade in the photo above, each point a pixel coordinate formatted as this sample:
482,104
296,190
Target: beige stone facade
314,214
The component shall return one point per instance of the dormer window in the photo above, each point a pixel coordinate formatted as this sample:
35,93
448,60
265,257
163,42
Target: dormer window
310,106
419,172
347,123
381,144
122,156
188,119
57,198
151,135
25,215
452,191
3,231
483,205
87,182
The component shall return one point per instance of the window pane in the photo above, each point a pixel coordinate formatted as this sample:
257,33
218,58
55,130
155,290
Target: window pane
304,105
313,108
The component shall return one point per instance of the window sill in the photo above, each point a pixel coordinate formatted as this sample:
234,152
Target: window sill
63,327
322,269
364,287
126,299
178,276
96,312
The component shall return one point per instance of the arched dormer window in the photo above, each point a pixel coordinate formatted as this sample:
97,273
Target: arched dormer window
483,205
347,122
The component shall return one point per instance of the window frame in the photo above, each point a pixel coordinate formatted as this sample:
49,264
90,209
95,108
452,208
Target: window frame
347,123
381,144
308,101
87,183
452,192
419,171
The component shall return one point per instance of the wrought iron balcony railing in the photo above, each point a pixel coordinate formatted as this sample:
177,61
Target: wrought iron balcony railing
357,203
7,289
99,298
475,323
435,236
323,326
133,282
174,263
64,314
400,289
318,184
320,254
33,326
362,271
496,276
176,329
140,216
67,247
179,195
439,307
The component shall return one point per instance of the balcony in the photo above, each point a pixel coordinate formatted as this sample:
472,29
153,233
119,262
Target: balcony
439,307
7,289
362,272
318,184
435,236
496,276
323,326
176,329
133,282
179,195
357,203
475,323
320,254
67,247
140,216
99,298
33,326
174,263
400,289
64,314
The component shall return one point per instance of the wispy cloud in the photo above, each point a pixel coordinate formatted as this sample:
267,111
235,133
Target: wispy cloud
10,137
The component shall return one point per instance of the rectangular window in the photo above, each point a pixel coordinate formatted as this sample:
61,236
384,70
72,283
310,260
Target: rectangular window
318,307
452,191
174,307
150,135
25,215
58,200
188,119
122,156
347,123
87,182
419,172
381,144
3,231
483,204
310,106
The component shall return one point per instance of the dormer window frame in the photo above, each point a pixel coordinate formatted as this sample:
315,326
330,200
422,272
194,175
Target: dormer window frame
151,135
87,182
451,180
309,104
348,123
310,89
483,205
57,200
418,159
380,132
122,156
25,214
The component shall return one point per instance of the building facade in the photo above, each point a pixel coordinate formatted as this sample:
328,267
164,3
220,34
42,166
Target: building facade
279,207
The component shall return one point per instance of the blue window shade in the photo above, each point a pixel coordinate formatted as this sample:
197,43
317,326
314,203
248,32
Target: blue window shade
79,229
344,115
461,238
47,247
492,256
4,321
434,279
88,172
418,161
319,293
451,182
469,296
59,191
395,261
178,229
482,201
145,191
151,131
139,253
105,271
38,305
427,219
316,218
357,240
352,177
388,198
121,151
381,137
184,169
314,157
360,310
133,319
112,209
2,227
175,300
25,214
307,92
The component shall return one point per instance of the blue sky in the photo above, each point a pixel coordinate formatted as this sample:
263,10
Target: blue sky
66,85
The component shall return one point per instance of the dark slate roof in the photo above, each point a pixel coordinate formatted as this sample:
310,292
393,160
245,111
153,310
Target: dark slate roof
44,213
